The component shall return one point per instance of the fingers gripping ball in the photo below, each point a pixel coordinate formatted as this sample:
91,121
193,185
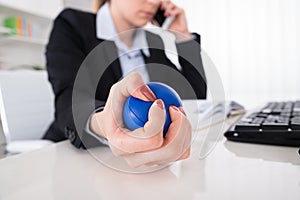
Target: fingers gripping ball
135,113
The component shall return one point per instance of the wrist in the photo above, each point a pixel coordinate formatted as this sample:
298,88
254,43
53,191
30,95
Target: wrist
183,36
95,124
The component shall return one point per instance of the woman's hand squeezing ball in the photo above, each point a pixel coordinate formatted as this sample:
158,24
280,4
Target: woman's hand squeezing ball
145,145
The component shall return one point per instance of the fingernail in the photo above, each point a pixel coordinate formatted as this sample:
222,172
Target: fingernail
181,109
175,108
145,90
160,104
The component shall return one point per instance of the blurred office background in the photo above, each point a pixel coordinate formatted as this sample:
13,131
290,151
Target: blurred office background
253,43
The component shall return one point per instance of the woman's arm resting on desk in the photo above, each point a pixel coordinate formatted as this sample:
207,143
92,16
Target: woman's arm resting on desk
64,54
146,145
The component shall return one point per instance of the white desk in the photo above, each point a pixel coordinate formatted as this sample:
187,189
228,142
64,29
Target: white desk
230,171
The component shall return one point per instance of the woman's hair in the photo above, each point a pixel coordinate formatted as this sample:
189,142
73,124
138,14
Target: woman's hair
98,4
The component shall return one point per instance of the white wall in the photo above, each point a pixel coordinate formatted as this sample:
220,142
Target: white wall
254,44
48,8
85,5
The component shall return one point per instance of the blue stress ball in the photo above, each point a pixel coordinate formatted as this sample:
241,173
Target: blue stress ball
135,113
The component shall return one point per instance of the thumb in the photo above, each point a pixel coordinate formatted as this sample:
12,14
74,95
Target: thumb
155,123
156,119
176,125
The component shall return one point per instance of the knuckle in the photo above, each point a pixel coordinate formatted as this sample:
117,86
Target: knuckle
151,144
158,142
136,81
113,87
136,77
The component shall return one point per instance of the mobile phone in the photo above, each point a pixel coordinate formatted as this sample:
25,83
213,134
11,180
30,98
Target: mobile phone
159,17
163,21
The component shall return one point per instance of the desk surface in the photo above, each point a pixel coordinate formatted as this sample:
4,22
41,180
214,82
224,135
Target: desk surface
230,171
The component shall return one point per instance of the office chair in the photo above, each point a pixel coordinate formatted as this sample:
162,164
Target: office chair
26,109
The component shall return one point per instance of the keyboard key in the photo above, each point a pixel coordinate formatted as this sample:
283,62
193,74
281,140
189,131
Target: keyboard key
258,120
296,118
295,126
275,126
276,111
296,113
246,120
262,115
267,111
253,115
284,114
247,126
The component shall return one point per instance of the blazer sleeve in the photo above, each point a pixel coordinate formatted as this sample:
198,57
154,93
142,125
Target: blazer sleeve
192,67
64,55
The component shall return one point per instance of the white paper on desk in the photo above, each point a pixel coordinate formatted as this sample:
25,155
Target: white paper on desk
203,113
209,117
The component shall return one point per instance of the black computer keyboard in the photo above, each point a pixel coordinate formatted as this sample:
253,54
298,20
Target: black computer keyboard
276,123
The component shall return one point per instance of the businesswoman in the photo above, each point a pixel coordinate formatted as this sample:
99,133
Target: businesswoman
75,34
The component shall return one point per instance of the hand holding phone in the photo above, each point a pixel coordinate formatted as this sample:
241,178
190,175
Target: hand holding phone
163,21
171,17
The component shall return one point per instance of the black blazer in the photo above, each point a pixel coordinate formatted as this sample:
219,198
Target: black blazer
73,37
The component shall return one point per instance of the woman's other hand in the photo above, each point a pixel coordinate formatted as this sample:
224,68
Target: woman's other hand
179,25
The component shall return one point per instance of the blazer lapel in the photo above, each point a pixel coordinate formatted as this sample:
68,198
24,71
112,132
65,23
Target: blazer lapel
157,64
106,65
111,54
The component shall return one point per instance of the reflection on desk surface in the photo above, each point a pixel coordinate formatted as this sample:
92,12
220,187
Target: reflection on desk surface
60,171
228,171
264,152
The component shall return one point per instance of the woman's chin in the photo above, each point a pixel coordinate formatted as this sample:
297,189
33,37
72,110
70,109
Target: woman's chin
141,23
